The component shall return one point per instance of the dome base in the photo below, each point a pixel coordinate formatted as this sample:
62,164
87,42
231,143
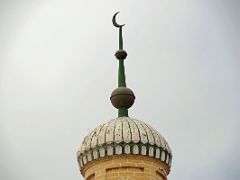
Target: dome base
124,167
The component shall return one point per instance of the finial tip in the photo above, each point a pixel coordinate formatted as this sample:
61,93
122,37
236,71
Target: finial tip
115,22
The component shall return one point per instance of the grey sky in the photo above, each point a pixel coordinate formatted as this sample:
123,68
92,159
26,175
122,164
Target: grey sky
57,71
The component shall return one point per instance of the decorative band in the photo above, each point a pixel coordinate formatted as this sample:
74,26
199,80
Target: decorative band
123,148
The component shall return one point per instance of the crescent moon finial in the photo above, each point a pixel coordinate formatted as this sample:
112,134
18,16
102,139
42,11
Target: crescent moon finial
114,21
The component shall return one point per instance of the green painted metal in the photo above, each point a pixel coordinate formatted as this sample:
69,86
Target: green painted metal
121,75
121,68
120,38
123,112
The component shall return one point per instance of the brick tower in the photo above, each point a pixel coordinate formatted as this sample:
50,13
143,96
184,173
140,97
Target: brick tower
124,147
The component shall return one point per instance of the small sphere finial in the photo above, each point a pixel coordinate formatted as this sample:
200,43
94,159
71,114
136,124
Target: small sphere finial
121,54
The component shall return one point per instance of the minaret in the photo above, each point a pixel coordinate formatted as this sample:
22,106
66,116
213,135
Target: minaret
124,147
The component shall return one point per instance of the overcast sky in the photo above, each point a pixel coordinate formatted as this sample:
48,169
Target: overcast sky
57,71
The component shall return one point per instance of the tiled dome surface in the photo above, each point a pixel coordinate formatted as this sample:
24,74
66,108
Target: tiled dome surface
123,135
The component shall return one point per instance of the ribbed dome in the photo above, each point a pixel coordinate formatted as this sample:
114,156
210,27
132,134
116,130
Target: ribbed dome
123,135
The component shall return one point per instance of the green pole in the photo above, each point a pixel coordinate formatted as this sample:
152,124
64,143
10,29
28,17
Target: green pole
120,38
121,75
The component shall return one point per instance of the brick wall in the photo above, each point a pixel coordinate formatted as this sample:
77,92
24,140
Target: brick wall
126,167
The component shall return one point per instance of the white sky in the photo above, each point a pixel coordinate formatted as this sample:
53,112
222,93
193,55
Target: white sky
57,71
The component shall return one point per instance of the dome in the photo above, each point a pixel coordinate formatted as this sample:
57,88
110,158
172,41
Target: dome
124,135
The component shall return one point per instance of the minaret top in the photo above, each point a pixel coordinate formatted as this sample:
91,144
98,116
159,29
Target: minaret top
122,98
124,137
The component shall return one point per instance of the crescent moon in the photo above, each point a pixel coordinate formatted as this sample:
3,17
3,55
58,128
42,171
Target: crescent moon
114,21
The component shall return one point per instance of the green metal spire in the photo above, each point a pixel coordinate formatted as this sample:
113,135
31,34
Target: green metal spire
121,75
121,69
120,38
122,98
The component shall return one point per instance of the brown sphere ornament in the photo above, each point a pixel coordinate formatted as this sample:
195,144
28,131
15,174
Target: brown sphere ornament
122,97
121,54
